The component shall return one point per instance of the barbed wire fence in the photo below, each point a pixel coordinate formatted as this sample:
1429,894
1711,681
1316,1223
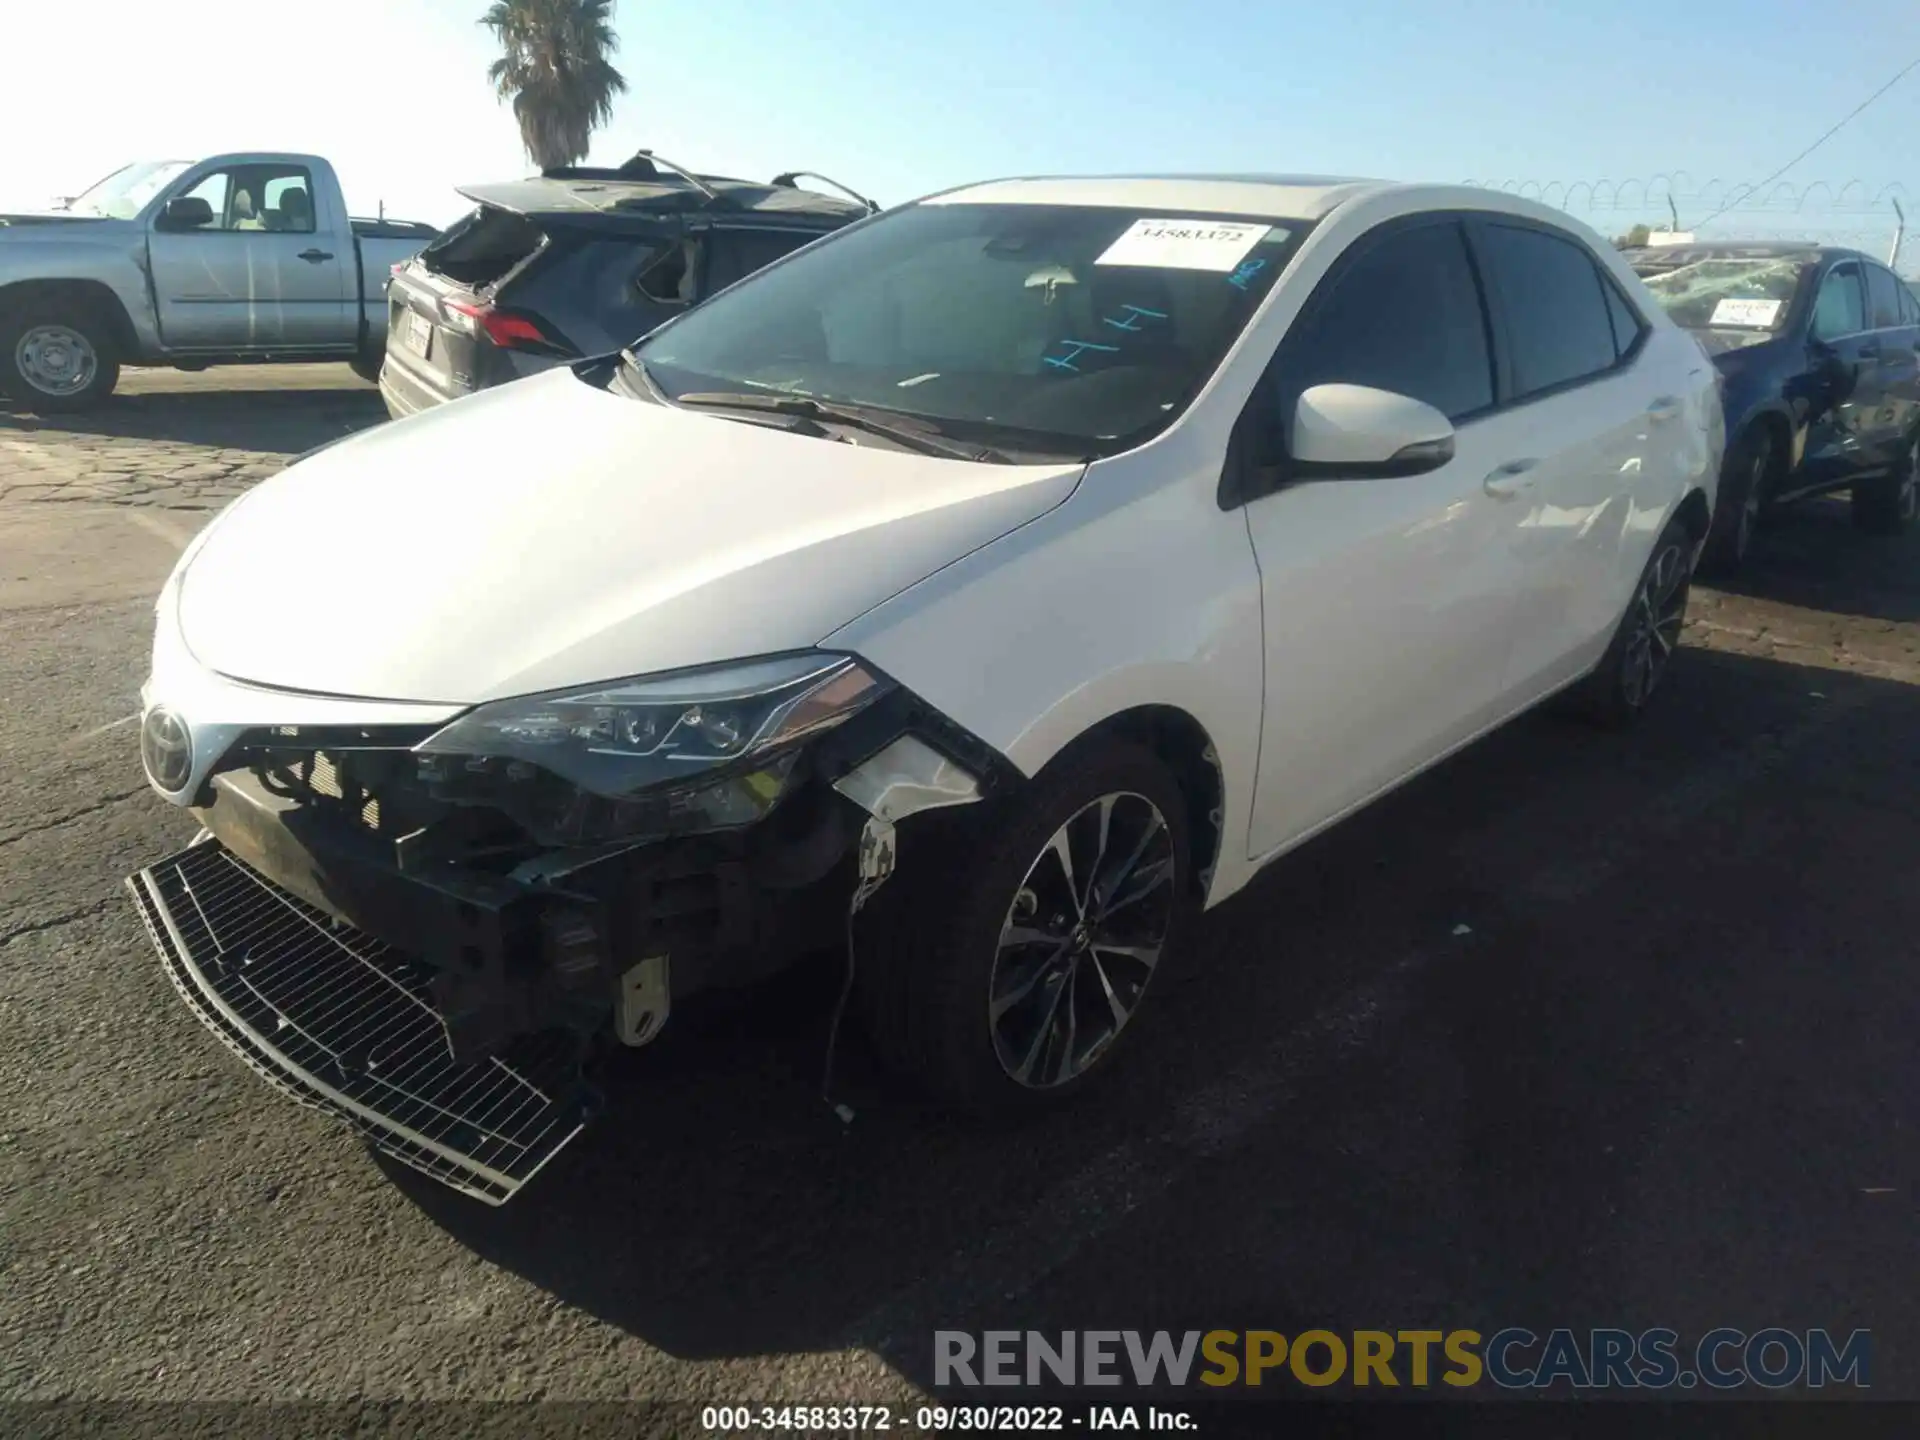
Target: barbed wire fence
1862,214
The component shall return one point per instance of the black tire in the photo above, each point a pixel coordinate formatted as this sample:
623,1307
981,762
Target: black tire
1616,693
937,942
1886,504
44,340
1745,479
367,365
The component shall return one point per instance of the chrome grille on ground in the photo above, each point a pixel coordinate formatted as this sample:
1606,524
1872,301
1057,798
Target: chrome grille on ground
342,1022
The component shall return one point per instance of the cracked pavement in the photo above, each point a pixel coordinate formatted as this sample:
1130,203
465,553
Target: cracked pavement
1577,1029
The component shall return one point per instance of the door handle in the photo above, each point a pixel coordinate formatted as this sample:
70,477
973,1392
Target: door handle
1665,408
314,257
1870,352
1510,479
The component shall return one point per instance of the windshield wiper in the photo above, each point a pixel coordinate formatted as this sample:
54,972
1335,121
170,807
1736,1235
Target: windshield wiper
914,434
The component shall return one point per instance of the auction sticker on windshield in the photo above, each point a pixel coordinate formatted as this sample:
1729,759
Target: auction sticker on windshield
1760,313
1184,244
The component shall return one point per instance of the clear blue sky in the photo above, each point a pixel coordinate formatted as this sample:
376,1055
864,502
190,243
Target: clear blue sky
901,99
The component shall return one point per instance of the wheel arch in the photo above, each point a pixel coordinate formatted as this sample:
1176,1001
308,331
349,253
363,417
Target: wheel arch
1776,421
94,296
1695,513
1182,744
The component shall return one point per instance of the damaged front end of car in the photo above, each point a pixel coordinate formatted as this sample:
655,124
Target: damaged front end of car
429,929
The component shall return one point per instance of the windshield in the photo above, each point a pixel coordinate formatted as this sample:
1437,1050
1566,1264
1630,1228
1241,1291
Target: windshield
124,193
1066,330
1729,294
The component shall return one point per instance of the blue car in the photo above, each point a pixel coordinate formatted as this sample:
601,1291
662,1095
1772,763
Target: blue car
1818,350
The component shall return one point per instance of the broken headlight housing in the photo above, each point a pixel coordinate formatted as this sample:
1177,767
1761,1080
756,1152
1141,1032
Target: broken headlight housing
696,750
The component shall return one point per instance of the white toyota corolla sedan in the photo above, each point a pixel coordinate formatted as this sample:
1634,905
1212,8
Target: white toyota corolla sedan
984,591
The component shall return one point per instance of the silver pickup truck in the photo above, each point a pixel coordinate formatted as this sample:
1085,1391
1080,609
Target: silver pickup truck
238,258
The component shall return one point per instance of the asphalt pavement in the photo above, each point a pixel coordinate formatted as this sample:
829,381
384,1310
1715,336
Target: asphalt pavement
1576,1030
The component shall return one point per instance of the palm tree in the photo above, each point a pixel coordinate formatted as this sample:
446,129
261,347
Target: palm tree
555,67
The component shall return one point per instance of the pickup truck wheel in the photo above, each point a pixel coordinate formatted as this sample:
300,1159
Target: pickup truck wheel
1617,691
1886,504
54,360
1006,968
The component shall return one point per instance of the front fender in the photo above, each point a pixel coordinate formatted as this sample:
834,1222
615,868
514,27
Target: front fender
1138,591
52,254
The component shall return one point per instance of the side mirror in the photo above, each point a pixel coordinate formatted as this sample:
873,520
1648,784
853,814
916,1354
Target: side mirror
1354,432
186,212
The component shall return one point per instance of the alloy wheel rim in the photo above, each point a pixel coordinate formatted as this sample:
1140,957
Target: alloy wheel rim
1081,940
1659,610
56,360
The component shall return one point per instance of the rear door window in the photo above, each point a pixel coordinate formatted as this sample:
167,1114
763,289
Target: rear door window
1883,299
1559,324
735,254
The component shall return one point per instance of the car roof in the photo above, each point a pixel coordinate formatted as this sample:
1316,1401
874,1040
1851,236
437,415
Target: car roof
1278,197
1304,198
664,196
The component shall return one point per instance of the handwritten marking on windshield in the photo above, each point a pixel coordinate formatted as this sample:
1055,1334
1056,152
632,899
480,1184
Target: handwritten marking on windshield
1130,321
1243,274
1076,348
918,380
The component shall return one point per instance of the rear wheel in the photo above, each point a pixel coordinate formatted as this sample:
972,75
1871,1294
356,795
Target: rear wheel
56,356
1007,969
1886,504
1744,481
1616,693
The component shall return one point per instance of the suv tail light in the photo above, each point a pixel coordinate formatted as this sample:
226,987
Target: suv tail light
504,328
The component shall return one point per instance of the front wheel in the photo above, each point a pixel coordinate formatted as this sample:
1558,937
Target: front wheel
56,358
1886,504
1617,692
1743,495
1009,966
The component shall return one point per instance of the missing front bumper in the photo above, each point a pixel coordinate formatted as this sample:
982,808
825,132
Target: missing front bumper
344,1023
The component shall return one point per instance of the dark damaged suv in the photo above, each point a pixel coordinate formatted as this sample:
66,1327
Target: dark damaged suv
580,262
1818,350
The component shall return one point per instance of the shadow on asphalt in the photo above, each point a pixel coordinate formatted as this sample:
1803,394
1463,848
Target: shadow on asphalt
1631,905
274,421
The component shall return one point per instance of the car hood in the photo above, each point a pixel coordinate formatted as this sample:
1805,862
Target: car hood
549,533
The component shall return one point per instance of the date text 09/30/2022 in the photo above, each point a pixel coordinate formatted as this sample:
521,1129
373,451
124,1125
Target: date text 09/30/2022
939,1419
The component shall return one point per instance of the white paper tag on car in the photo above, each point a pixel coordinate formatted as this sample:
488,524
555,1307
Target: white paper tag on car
1758,313
1184,244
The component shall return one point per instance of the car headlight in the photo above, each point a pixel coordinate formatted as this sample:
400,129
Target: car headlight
698,749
